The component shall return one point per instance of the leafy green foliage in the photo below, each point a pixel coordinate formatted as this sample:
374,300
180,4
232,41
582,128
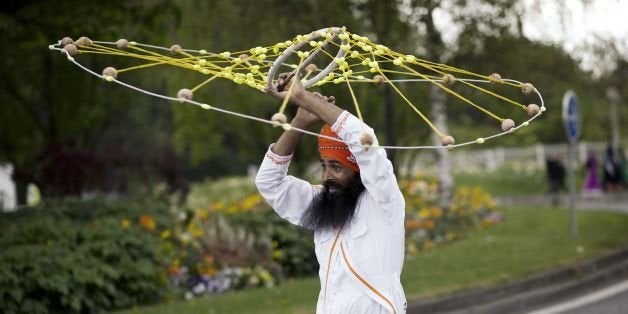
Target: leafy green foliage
77,257
293,248
57,117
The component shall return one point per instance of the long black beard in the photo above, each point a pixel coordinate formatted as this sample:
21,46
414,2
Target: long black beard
332,210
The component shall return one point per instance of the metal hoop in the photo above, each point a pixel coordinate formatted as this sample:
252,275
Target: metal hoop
292,49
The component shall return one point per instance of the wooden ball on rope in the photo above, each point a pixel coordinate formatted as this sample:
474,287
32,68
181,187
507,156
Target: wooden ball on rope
448,79
495,78
527,88
70,49
366,140
174,49
278,119
532,109
84,41
110,72
378,79
122,43
507,124
447,140
185,94
311,68
66,41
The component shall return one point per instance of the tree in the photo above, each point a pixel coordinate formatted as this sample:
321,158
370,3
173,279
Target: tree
56,121
218,144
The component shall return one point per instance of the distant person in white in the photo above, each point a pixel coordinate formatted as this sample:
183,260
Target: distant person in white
357,215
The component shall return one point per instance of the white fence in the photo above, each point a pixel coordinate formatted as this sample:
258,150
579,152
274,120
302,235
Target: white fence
521,158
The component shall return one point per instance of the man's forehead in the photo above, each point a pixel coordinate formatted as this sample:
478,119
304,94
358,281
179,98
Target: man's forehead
329,161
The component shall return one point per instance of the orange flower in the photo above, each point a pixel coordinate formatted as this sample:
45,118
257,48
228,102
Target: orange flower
436,212
428,224
208,258
173,270
413,224
147,222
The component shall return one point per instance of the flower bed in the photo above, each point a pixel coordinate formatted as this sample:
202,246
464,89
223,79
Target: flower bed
428,225
256,248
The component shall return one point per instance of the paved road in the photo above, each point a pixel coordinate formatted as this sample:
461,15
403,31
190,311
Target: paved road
612,299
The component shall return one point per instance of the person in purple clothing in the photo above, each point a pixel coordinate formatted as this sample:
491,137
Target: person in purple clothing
592,185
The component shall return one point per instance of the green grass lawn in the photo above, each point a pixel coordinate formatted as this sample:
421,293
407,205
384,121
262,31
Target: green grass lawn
530,239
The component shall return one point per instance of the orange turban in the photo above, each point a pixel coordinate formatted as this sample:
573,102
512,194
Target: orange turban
335,150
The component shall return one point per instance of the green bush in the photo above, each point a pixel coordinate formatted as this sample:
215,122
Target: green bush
78,257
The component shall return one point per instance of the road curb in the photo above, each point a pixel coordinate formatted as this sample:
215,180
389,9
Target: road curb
529,292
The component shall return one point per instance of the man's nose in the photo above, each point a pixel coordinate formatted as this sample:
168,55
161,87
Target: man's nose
327,174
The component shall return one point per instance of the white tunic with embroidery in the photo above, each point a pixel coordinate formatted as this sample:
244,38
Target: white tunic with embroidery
360,266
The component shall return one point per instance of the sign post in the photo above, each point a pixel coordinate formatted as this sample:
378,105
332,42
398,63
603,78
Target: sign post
571,118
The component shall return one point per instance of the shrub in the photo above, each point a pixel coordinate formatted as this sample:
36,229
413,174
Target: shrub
76,257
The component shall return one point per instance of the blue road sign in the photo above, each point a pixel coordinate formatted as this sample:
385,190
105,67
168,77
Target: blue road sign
571,116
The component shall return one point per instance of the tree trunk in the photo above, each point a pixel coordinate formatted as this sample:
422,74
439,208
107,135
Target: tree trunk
439,113
390,133
439,118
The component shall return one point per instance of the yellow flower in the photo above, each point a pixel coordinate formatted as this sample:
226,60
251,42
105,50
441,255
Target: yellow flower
428,245
436,212
266,276
424,213
195,230
219,205
412,249
232,209
251,201
125,223
202,214
165,234
450,236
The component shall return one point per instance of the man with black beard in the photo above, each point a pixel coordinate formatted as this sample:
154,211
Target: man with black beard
333,209
357,215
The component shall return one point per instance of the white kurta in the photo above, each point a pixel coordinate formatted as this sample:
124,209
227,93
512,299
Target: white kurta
360,266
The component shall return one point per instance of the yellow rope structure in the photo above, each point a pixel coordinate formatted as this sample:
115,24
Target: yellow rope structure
357,60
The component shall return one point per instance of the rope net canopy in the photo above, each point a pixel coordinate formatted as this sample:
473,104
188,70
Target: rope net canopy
327,56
